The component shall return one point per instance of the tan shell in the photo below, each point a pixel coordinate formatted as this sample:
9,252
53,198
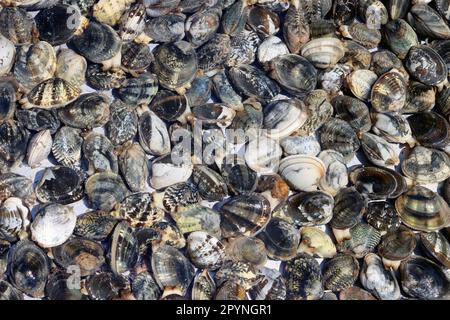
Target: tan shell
71,67
110,11
323,52
389,92
316,243
360,83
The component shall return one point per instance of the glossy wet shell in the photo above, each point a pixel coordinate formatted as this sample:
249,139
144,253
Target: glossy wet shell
52,93
303,278
205,251
16,25
281,239
423,279
427,22
425,64
104,286
133,165
245,215
172,270
422,209
382,215
100,79
57,287
340,272
360,83
62,185
139,210
105,190
209,183
29,268
124,248
426,165
88,111
95,225
338,135
66,146
430,129
323,52
397,245
437,246
349,207
84,253
362,34
399,36
136,57
202,25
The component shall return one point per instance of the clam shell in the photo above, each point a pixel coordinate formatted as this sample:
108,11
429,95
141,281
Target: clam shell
379,151
8,292
426,65
385,60
39,148
319,111
8,52
249,250
340,272
52,93
8,96
293,145
156,8
437,246
239,178
393,127
200,91
110,11
283,117
263,155
153,134
205,251
169,106
138,91
344,11
136,57
202,25
16,25
338,135
167,28
124,248
241,273
62,185
179,196
430,129
428,22
426,165
336,176
167,234
53,225
364,239
361,82
122,125
263,21
397,245
16,185
348,209
66,146
354,111
133,165
231,290
323,52
383,216
302,172
139,210
355,293
209,183
235,17
88,111
362,34
144,287
100,79
165,173
296,29
214,54
99,153
399,36
389,92
104,286
59,287
13,144
71,67
132,23
272,286
105,190
95,225
269,49
316,243
13,219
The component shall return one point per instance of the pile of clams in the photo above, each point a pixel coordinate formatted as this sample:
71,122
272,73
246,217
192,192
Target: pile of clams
224,149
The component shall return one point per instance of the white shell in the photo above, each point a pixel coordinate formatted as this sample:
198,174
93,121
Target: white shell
71,67
379,151
110,11
307,145
301,172
7,53
263,155
360,83
393,127
53,225
323,52
157,140
336,176
39,148
332,79
284,118
166,174
271,48
205,251
13,207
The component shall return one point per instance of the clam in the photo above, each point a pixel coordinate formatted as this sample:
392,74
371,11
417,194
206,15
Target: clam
213,115
393,127
13,219
138,91
16,185
8,292
430,129
214,54
362,34
205,251
244,214
283,117
153,134
132,22
202,25
263,155
271,286
60,286
8,97
122,125
397,8
223,89
66,146
53,225
269,49
17,25
209,183
295,27
423,279
251,82
264,21
399,36
166,28
378,150
99,153
364,239
441,47
389,92
172,270
105,190
100,79
249,117
425,65
164,172
243,47
200,91
177,197
356,56
175,65
110,11
426,165
396,246
29,268
88,111
437,246
422,209
355,293
136,57
14,139
235,17
340,272
58,24
99,43
384,61
7,56
95,225
86,254
307,145
231,290
383,216
323,52
338,135
156,8
420,98
241,273
139,210
166,234
344,11
316,243
319,111
360,83
105,286
375,278
249,250
239,178
354,111
51,93
170,106
374,13
124,248
443,102
428,22
133,165
294,73
378,183
348,209
302,172
336,176
303,278
204,287
71,67
39,148
281,239
34,64
62,185
144,287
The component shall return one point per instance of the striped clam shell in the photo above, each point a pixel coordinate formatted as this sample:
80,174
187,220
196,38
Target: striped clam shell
205,251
